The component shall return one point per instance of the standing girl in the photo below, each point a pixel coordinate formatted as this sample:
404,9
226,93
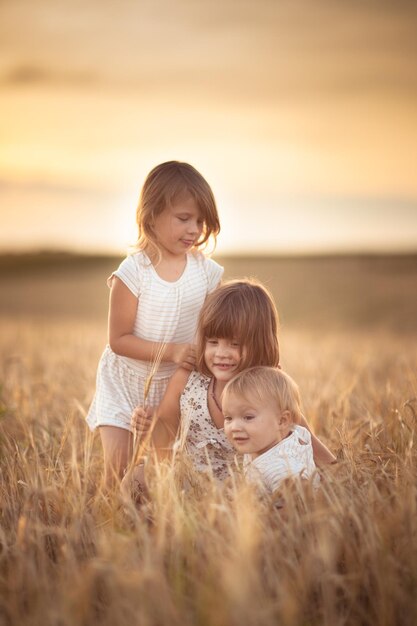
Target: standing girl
156,296
237,329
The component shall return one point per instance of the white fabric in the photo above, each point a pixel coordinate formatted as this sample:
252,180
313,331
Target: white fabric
205,444
291,457
119,390
167,312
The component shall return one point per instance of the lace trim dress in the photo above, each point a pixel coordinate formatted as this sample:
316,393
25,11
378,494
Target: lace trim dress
205,444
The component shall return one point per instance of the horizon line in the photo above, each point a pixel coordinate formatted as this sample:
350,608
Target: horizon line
71,252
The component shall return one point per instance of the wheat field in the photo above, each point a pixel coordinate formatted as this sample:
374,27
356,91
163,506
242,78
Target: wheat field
71,554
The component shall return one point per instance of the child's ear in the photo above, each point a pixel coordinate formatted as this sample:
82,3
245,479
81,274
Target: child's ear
284,420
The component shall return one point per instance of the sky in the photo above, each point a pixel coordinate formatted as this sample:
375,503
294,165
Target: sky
301,114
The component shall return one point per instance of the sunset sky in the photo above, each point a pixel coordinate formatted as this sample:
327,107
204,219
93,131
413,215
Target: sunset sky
301,114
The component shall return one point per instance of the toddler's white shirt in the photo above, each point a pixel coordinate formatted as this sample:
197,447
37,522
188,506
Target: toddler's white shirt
291,457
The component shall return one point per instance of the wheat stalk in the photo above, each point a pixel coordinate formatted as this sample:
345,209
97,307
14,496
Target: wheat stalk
139,446
196,552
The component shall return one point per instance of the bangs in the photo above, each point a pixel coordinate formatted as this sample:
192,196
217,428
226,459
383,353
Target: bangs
227,324
188,184
245,312
204,201
164,186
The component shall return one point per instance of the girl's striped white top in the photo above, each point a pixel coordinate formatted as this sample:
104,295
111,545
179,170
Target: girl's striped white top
167,311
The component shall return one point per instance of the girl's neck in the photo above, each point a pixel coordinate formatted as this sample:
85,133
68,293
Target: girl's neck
219,385
168,266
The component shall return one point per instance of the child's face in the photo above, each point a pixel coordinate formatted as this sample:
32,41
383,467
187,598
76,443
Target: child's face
178,227
222,357
251,428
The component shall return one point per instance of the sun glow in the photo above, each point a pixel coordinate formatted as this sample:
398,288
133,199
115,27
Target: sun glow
297,153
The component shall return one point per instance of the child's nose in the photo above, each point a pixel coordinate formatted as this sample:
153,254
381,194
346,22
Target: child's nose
223,351
193,226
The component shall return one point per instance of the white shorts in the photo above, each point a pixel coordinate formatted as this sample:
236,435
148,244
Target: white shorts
119,390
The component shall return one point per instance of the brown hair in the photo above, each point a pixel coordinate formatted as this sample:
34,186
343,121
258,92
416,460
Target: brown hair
266,385
163,186
243,310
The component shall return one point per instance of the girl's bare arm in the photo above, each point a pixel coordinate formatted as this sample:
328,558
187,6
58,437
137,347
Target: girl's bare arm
166,419
168,414
122,315
321,453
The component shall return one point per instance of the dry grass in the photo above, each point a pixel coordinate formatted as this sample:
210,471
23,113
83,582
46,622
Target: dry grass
69,555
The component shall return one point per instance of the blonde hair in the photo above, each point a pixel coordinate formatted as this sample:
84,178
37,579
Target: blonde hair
164,185
243,310
264,385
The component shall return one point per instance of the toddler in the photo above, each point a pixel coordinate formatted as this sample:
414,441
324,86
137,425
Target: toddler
261,408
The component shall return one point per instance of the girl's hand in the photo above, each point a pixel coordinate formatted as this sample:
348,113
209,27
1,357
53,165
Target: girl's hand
141,420
184,355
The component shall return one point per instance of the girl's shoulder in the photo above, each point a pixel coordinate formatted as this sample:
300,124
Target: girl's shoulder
179,380
132,271
139,257
204,261
210,269
197,380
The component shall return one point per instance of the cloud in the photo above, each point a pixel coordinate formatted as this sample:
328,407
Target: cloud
32,186
229,49
36,75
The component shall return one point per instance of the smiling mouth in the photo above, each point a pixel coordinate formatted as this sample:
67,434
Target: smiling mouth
224,366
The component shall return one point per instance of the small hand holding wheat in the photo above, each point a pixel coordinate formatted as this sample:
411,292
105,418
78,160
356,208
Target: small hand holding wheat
141,421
